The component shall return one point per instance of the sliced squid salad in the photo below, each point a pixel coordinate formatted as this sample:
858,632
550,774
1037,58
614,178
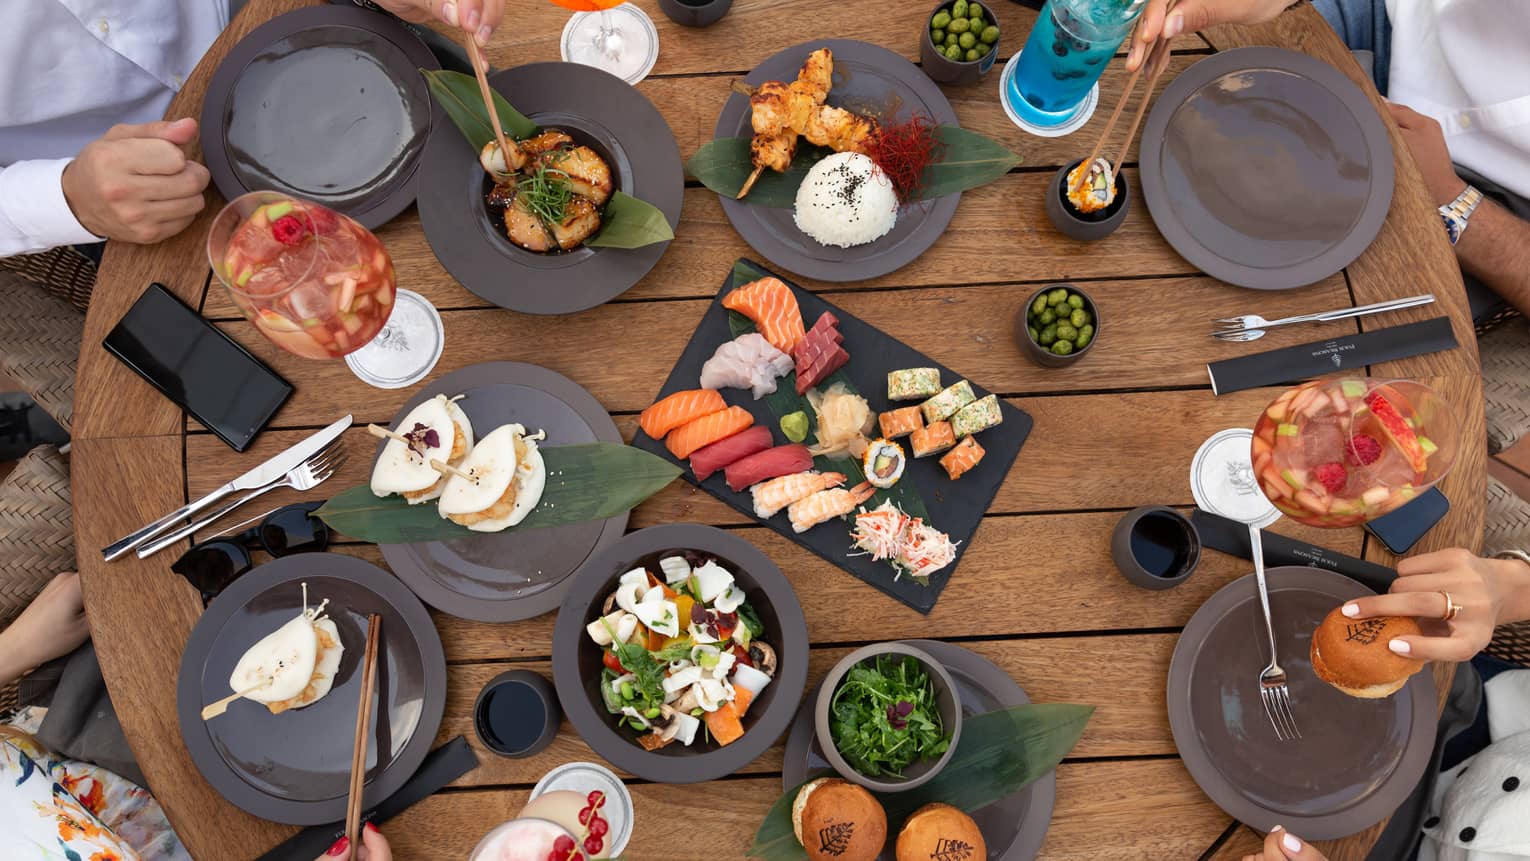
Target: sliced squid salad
683,652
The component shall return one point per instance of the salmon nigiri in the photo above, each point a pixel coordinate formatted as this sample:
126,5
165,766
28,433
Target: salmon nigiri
678,409
707,430
773,308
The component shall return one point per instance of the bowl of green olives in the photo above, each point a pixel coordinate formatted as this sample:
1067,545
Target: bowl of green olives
1057,325
960,42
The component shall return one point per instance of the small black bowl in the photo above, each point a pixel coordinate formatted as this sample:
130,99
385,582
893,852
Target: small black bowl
695,13
1085,227
1167,535
1041,355
517,714
944,70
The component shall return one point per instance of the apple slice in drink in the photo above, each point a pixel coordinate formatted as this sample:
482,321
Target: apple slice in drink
1398,431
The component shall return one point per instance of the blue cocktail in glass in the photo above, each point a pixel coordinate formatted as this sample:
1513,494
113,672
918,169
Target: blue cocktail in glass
1067,51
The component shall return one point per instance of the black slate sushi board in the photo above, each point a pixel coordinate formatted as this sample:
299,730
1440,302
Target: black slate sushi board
954,507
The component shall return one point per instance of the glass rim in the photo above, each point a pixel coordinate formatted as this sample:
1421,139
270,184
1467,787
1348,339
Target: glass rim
267,196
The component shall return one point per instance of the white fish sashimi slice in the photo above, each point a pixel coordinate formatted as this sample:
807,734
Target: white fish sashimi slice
747,362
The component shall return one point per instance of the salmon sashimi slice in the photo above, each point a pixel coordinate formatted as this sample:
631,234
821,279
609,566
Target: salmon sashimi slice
706,430
678,409
773,308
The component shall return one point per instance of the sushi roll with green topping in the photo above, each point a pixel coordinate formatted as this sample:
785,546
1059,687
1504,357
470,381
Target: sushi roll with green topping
979,415
945,404
913,384
883,463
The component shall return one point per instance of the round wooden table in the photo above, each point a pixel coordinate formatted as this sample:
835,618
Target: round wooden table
1113,432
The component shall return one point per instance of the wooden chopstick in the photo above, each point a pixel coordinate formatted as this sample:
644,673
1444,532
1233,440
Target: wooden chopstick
1158,58
1126,94
481,69
363,735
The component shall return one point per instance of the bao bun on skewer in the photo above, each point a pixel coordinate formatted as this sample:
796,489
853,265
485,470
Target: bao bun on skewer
404,468
507,478
297,662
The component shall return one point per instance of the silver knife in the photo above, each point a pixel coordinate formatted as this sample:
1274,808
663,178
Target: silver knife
267,472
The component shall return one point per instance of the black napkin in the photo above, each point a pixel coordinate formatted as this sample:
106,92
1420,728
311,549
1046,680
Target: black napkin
1230,536
441,766
1305,361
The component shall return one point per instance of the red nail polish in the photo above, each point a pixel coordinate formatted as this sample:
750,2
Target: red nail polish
373,828
339,848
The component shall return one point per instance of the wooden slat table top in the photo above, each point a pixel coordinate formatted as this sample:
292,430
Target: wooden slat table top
1037,592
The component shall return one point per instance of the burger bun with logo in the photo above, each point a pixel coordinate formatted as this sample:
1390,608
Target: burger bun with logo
940,831
838,821
1353,655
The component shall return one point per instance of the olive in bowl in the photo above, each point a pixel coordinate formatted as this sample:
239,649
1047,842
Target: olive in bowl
960,42
1057,325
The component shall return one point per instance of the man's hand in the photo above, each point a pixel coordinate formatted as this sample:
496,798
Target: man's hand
135,184
1193,15
1427,143
478,17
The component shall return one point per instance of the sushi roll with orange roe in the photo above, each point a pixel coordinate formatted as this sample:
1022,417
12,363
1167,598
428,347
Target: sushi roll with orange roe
883,463
1098,191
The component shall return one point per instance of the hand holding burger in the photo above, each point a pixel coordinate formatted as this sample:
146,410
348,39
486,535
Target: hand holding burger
1352,655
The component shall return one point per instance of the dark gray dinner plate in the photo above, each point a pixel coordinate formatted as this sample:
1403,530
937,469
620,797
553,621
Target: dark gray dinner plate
1266,168
1013,828
324,103
868,79
598,110
577,660
1357,759
519,573
295,767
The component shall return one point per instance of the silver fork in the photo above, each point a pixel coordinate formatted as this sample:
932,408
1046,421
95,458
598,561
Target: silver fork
1251,327
1272,679
305,476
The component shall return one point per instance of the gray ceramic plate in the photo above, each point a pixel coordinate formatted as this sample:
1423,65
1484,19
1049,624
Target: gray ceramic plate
1357,759
326,103
577,660
295,767
1266,168
508,576
867,78
1014,828
598,110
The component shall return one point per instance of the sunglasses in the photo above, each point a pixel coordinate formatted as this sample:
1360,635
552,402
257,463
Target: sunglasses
213,564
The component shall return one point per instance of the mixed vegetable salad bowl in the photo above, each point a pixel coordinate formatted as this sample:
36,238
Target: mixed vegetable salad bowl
680,653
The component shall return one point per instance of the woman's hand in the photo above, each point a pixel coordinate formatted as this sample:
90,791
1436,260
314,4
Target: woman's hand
1192,15
1282,846
478,17
52,626
1490,592
374,847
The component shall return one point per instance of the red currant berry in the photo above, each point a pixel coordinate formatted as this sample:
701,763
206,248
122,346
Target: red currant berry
593,844
585,815
563,845
598,827
556,856
596,798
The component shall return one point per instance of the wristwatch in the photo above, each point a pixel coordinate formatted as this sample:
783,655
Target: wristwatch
1457,213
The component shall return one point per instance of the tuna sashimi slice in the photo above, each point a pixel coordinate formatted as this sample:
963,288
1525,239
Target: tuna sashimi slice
821,368
771,463
706,461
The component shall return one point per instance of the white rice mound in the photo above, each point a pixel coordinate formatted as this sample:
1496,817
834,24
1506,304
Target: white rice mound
846,200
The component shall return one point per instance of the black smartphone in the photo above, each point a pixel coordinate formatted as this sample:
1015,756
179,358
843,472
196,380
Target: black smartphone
191,362
1401,529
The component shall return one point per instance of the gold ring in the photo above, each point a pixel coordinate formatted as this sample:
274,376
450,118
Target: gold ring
1452,609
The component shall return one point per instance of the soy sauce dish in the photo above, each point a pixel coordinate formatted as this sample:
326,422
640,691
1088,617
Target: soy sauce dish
680,654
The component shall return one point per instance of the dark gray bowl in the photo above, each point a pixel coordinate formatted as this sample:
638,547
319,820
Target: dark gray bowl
920,771
1187,544
577,660
703,14
943,69
533,708
1041,355
1085,228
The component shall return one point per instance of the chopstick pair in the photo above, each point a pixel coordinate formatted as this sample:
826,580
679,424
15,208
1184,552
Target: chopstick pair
1156,61
353,806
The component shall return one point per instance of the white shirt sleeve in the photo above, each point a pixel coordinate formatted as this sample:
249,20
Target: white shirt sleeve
33,213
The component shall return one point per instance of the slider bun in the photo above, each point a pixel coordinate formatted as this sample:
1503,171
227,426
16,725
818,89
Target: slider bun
492,462
400,470
838,821
1353,655
940,831
284,660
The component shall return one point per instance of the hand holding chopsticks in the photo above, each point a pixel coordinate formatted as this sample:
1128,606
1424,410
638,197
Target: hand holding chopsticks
353,805
1157,62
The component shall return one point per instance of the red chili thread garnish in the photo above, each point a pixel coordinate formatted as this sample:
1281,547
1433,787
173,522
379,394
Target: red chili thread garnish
903,151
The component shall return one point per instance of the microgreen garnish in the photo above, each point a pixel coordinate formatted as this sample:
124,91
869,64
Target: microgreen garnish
422,439
884,716
547,194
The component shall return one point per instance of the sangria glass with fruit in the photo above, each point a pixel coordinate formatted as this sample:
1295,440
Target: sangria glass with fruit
313,281
1342,451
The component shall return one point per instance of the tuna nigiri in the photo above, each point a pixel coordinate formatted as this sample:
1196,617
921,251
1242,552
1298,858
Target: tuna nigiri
781,460
706,430
706,461
827,505
746,362
678,409
773,308
774,495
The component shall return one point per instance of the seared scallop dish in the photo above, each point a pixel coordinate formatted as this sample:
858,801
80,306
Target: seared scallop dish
550,190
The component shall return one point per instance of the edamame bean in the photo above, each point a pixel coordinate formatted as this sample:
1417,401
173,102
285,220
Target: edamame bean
973,54
941,19
954,52
1075,300
1085,335
938,37
990,34
967,40
1039,305
1056,296
959,25
1048,336
1066,332
1062,348
1078,318
1046,317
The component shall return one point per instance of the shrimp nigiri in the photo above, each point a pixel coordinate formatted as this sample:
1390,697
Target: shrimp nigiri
777,493
827,505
